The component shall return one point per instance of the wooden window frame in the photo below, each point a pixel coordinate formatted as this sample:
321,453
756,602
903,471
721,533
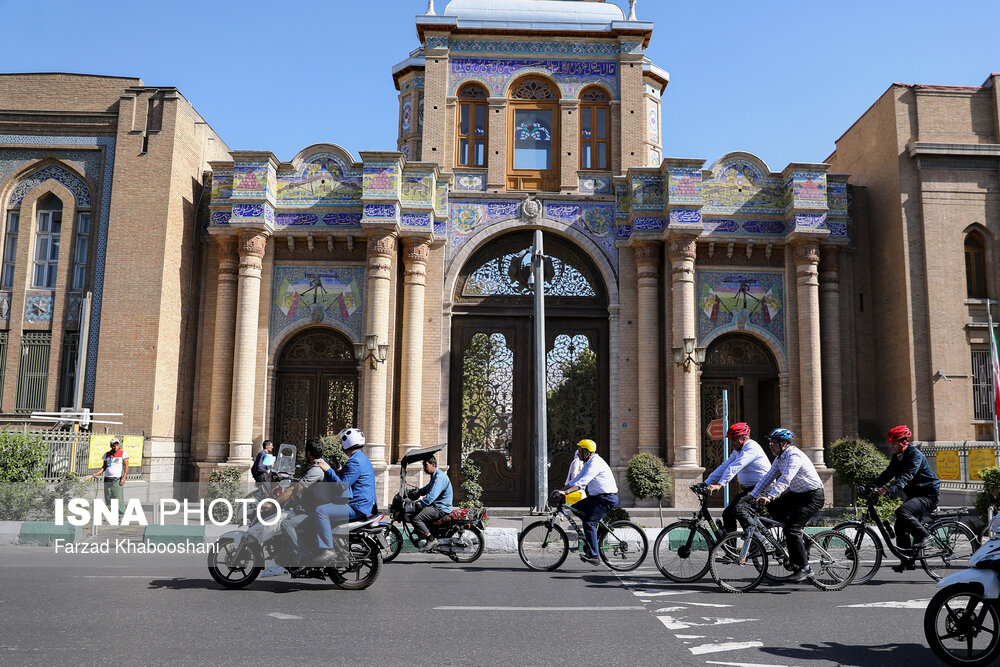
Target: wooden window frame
472,104
976,284
591,107
546,180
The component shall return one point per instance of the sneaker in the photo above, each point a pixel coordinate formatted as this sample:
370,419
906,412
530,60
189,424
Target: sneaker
801,574
429,544
590,560
327,556
923,542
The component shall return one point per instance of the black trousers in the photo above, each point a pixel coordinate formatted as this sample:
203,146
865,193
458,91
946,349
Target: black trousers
729,515
908,519
795,510
420,519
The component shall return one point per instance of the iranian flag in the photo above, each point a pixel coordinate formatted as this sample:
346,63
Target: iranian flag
995,361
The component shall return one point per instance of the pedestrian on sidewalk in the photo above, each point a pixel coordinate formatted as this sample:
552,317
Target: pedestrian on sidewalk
114,465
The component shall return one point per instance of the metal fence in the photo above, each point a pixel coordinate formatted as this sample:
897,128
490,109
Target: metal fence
958,463
70,452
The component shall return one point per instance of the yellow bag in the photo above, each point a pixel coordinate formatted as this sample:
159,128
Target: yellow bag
573,498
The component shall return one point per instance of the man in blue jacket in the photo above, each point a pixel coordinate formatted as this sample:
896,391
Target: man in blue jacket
913,475
359,475
436,502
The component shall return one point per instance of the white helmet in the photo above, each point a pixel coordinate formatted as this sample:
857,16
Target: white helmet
351,438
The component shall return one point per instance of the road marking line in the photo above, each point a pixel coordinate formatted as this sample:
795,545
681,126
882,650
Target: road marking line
647,593
690,636
285,617
632,608
121,576
727,646
704,604
681,624
909,604
742,664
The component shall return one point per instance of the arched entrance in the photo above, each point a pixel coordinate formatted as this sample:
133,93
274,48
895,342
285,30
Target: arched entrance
316,388
746,368
492,394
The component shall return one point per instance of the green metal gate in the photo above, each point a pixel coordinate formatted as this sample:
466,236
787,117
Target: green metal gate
33,371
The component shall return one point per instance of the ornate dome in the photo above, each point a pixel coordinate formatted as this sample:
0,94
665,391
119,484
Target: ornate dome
535,11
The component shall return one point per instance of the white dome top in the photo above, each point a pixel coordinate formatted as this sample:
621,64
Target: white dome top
535,11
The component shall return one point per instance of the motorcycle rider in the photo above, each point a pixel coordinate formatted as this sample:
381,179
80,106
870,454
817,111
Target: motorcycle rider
748,463
436,503
306,499
359,475
602,494
793,492
913,475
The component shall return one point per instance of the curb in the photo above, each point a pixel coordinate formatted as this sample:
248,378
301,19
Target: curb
10,531
44,533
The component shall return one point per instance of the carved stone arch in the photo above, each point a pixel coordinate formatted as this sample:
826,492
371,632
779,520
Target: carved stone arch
729,158
19,183
597,85
484,236
294,329
473,83
741,354
523,76
302,157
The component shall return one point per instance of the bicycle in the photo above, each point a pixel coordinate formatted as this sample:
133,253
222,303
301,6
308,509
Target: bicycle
953,541
544,546
681,550
739,561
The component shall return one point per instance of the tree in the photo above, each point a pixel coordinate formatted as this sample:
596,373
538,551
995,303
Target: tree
856,462
572,404
648,477
22,489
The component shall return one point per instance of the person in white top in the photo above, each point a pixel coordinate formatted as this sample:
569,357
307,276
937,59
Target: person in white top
793,493
598,481
748,463
114,465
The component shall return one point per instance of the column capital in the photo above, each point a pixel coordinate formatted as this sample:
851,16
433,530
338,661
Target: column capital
229,257
416,249
647,253
682,249
251,246
806,252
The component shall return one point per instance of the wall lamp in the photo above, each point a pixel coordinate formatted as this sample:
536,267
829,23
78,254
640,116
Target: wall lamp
689,354
372,351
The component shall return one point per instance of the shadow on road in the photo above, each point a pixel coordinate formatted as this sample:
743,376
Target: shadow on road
858,656
272,586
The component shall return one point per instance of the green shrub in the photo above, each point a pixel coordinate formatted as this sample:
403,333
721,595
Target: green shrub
23,501
856,462
225,483
648,477
617,514
22,492
988,496
472,492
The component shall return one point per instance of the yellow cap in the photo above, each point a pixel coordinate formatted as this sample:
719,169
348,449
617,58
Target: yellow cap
589,445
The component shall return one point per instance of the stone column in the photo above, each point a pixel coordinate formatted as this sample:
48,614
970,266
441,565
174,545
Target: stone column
381,253
220,400
686,440
415,253
252,244
647,264
810,437
829,301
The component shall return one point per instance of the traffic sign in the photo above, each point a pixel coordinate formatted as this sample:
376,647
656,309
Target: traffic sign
715,430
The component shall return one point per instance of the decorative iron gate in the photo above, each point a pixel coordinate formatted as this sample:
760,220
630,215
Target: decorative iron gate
316,390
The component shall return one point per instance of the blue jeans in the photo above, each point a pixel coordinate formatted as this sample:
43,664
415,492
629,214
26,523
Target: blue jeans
326,515
592,510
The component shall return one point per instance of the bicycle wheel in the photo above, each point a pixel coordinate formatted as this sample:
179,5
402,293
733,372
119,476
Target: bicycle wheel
776,570
394,539
730,571
681,552
623,546
833,559
543,547
868,546
953,544
962,627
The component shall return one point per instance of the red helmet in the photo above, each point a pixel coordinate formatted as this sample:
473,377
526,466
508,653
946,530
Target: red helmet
738,429
898,433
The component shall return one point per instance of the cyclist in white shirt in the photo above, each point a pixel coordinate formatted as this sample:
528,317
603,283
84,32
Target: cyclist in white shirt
793,493
748,463
598,481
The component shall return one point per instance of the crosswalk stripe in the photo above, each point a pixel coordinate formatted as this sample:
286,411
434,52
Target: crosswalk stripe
725,646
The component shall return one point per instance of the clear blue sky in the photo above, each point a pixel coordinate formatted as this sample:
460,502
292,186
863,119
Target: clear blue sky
779,79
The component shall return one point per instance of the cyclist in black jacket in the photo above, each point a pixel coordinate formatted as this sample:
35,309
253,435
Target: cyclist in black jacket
913,475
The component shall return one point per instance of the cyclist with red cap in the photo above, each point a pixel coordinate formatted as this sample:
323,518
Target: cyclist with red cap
748,463
914,477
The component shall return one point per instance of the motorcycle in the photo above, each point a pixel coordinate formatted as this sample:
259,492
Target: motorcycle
459,534
240,555
962,621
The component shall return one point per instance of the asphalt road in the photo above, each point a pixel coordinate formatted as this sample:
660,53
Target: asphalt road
426,610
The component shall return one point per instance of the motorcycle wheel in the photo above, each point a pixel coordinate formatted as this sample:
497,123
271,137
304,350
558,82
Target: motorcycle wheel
364,568
475,539
962,627
395,539
233,574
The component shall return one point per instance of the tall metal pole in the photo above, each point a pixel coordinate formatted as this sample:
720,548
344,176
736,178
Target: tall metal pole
725,441
541,412
996,432
81,353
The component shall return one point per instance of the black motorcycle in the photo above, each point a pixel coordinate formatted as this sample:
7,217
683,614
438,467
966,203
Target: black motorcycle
459,534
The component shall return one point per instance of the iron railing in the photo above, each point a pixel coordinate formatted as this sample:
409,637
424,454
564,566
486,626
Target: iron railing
70,452
957,463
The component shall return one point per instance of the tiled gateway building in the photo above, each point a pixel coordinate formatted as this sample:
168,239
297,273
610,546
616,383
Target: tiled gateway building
239,295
